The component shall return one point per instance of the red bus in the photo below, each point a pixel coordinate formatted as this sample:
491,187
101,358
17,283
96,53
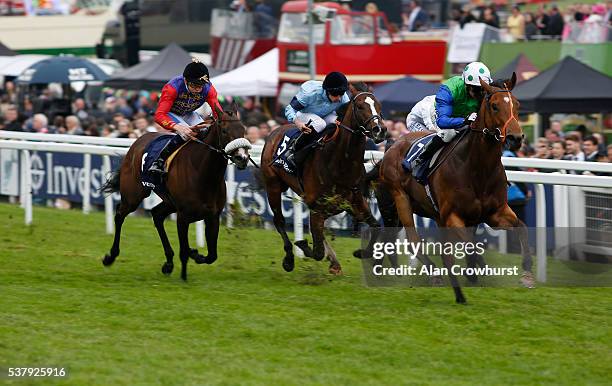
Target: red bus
362,45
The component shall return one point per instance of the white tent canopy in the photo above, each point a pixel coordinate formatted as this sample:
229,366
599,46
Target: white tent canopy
15,65
258,77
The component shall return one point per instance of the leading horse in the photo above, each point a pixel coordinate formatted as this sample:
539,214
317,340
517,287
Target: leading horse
331,177
195,187
469,184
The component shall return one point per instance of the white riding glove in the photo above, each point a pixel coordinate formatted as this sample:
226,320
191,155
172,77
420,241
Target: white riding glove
447,135
470,119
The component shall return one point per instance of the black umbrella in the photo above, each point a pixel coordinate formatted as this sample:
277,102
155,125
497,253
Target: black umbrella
401,95
62,69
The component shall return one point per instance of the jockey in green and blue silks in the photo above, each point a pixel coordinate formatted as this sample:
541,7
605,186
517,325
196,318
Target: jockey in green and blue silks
460,96
456,103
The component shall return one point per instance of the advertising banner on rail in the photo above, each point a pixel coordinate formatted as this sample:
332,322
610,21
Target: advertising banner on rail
61,175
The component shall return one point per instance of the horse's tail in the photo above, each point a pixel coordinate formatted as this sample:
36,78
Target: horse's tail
112,183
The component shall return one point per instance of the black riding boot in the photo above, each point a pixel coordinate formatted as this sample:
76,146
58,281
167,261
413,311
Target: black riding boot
305,147
171,146
300,143
419,163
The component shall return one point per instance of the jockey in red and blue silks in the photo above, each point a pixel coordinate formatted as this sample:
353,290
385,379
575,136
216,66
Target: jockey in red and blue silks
176,110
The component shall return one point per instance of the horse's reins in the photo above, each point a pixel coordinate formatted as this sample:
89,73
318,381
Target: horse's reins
222,152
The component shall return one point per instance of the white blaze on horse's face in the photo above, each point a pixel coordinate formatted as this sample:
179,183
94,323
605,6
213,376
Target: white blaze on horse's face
506,99
370,101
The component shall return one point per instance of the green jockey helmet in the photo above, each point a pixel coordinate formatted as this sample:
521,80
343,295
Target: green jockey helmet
475,70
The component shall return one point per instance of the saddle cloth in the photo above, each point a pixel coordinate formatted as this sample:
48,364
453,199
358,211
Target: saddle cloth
280,154
414,151
151,153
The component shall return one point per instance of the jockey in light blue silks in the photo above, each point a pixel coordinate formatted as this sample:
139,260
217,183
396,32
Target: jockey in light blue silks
313,109
456,105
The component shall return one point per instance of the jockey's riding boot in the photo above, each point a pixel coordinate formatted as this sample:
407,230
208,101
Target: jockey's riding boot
421,161
171,146
307,142
300,142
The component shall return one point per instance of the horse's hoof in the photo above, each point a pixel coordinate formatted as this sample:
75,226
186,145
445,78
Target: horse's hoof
199,259
358,253
210,259
461,300
108,260
319,253
303,245
335,270
167,269
184,276
527,280
288,264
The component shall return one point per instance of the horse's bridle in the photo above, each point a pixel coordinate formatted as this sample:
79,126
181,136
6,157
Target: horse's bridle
362,127
498,134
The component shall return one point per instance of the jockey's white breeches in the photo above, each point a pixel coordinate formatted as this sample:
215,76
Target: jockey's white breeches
316,121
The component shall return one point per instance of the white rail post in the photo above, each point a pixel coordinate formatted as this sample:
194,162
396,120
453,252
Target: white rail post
86,183
541,232
108,199
200,233
503,241
298,222
22,179
231,181
27,186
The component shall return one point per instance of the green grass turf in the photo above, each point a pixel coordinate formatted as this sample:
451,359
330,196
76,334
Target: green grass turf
244,320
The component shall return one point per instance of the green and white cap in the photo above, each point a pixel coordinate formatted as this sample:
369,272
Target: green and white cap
476,70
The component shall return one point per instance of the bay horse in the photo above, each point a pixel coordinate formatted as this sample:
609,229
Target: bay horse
469,185
330,179
195,187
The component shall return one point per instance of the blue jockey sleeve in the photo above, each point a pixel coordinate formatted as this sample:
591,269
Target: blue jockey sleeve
444,110
299,101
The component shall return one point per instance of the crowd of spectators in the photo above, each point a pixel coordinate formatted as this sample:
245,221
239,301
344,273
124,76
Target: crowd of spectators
547,22
120,114
576,145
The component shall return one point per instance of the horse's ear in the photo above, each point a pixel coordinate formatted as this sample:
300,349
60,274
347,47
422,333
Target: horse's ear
485,86
218,112
235,110
512,82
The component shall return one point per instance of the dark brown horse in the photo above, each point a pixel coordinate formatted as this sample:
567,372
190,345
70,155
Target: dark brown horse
470,185
331,178
195,187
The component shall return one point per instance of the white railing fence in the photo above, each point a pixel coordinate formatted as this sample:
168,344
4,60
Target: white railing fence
565,184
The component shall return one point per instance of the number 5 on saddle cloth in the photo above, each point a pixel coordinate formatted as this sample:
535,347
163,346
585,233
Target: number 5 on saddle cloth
296,146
